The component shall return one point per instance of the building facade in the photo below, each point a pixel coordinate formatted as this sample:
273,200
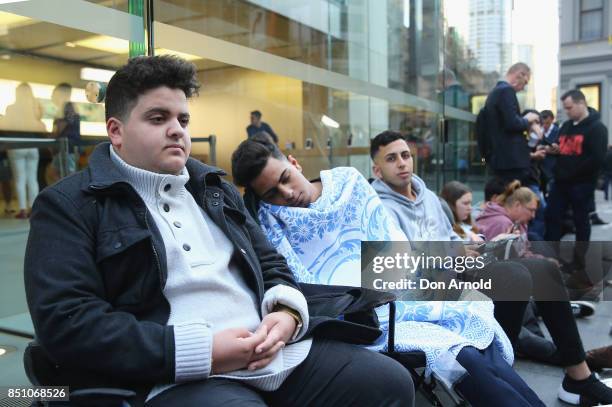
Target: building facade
586,52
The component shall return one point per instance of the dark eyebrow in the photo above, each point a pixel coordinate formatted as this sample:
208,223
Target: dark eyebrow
398,153
158,110
273,188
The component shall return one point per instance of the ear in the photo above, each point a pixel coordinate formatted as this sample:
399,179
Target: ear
377,171
114,129
294,162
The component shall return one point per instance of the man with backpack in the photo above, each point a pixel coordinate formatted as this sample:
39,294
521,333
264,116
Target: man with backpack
502,132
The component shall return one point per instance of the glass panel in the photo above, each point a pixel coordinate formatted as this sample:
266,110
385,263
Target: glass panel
121,5
282,32
392,43
420,128
45,70
591,25
591,4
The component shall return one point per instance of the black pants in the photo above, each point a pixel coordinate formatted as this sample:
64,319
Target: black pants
333,374
553,304
522,174
580,197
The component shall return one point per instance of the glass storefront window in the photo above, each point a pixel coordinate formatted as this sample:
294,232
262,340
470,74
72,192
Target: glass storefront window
48,55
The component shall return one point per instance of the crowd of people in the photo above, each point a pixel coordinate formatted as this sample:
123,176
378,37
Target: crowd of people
28,167
149,272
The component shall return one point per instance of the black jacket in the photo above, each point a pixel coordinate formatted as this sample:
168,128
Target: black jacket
583,150
507,129
95,268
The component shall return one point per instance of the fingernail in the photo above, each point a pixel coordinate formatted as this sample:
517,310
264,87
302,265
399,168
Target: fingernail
252,367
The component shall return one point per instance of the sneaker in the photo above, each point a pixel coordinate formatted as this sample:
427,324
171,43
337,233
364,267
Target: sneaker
582,309
587,392
600,358
21,215
596,220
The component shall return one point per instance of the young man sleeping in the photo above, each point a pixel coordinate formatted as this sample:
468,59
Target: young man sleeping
319,225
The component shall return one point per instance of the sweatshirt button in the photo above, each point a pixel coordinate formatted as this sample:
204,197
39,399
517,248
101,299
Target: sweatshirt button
117,245
167,187
177,223
186,247
215,203
216,195
166,207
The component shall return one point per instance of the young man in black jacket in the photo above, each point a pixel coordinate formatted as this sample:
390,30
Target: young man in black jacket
145,271
583,141
507,129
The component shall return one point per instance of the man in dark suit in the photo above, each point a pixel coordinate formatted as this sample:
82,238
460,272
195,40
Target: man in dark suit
508,130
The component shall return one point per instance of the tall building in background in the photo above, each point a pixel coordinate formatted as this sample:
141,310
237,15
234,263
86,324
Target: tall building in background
586,52
491,34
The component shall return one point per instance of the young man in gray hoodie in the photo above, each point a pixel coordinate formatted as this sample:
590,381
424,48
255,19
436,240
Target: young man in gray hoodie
421,217
419,213
416,209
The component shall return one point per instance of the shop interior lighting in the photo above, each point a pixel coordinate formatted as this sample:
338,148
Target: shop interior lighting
97,75
329,122
120,46
6,349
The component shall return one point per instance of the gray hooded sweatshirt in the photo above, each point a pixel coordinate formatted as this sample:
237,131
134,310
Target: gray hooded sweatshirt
422,219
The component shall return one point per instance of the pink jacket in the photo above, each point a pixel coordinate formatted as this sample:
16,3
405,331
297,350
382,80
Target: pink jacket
494,220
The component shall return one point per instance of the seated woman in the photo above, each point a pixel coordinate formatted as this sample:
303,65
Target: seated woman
459,199
510,213
318,226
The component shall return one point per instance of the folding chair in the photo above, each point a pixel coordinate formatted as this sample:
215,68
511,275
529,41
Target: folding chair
416,360
42,372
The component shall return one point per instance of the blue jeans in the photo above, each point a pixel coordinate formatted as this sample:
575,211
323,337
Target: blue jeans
492,381
537,226
606,185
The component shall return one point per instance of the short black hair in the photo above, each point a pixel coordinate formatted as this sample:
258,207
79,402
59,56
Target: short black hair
144,73
524,112
251,156
575,94
547,113
495,186
256,113
382,139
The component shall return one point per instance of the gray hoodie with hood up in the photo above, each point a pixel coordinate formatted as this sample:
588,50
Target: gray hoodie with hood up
422,219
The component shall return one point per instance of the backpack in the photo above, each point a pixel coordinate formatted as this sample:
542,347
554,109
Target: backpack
483,138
